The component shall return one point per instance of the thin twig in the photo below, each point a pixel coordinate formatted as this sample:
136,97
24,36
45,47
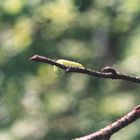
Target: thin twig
109,130
106,72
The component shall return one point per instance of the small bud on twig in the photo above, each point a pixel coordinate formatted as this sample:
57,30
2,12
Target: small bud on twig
109,69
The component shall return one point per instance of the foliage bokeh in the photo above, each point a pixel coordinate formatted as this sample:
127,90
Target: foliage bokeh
36,104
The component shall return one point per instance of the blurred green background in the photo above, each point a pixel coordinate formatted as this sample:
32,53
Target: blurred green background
36,104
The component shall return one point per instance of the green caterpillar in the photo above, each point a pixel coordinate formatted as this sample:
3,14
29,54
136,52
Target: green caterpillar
60,71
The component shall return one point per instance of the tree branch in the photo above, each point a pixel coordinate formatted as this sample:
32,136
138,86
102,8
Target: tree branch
106,72
109,130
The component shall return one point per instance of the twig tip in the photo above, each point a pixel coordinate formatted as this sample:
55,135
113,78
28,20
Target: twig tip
34,57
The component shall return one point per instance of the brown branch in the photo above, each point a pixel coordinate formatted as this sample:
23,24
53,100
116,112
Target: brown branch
106,72
109,130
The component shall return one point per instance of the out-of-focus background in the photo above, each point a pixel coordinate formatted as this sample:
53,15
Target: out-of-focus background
36,104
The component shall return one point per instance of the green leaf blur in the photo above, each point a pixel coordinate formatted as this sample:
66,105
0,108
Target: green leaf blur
35,104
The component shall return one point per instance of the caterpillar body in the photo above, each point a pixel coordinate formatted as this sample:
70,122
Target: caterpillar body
60,71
